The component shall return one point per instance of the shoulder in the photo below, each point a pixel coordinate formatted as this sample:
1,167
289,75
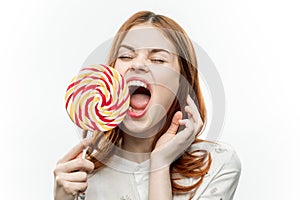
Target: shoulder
222,155
223,176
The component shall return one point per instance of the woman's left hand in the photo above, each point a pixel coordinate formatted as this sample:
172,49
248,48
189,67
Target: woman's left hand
171,144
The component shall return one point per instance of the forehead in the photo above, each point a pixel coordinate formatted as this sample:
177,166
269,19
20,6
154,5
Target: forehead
147,36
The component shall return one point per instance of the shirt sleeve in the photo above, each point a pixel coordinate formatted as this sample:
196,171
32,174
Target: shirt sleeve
223,182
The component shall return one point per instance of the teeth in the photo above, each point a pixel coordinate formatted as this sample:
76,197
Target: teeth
130,108
137,83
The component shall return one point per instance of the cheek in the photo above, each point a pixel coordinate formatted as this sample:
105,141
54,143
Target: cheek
121,67
167,79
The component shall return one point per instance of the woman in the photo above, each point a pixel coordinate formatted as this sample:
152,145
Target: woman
155,152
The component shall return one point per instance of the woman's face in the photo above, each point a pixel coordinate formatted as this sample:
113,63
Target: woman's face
147,60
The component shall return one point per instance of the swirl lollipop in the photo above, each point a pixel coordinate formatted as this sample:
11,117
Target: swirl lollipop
97,100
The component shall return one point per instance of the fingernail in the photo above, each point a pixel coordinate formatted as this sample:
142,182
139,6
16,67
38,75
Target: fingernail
87,141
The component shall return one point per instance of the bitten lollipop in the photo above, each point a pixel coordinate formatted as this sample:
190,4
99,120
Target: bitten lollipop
97,98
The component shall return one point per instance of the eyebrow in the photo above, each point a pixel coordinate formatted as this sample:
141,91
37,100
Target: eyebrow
127,47
152,50
159,50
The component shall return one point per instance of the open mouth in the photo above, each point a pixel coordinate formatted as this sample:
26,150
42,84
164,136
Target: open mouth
140,95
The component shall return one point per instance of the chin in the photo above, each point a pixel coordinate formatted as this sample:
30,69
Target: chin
142,128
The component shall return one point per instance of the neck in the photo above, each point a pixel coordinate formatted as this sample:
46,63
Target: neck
136,149
137,145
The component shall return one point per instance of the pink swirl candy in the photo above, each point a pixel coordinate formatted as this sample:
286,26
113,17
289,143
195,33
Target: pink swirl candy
97,98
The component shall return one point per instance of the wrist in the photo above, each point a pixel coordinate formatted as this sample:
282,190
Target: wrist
157,163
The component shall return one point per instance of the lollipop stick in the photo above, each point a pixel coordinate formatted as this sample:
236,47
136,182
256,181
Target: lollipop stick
81,195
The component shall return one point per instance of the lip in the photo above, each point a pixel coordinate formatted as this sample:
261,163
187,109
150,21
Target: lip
142,113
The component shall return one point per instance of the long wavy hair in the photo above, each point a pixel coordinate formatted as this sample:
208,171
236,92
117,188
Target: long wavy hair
191,164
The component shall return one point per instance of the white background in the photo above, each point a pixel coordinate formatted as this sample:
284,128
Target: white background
254,45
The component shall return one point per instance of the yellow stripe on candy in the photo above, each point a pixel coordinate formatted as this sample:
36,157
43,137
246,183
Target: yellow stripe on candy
88,78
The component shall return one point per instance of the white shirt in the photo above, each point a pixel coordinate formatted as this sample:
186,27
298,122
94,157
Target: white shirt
122,179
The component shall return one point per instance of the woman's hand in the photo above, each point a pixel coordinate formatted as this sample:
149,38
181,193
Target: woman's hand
171,145
70,173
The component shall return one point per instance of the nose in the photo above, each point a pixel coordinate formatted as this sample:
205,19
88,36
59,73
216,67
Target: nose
139,64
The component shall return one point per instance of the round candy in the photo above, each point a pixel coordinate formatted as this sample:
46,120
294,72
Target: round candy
97,98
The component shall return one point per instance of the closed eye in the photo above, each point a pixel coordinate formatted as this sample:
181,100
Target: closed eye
125,57
158,60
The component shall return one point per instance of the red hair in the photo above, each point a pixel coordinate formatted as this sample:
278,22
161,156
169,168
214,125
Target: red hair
193,164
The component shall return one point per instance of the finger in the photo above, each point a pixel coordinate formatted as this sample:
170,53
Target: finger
190,113
75,151
186,122
72,177
74,187
183,138
187,131
75,165
193,110
196,119
175,123
191,102
195,116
